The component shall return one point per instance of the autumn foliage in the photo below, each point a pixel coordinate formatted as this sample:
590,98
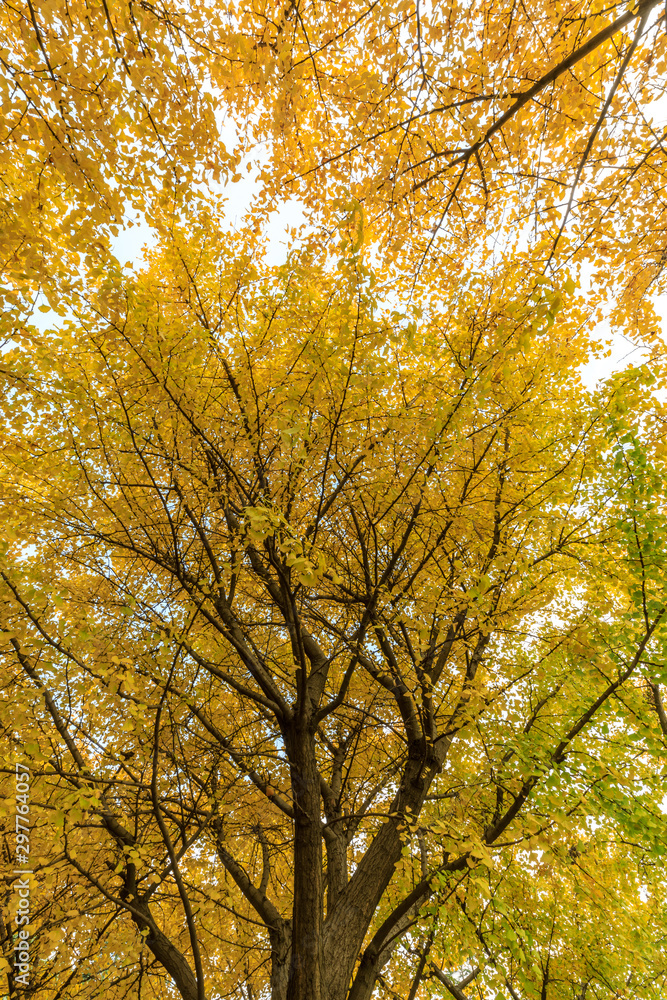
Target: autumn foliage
333,603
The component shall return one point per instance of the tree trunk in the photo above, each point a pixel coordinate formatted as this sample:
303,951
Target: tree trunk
280,954
306,966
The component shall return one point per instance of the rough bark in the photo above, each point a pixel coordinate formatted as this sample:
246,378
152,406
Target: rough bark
280,938
335,833
305,980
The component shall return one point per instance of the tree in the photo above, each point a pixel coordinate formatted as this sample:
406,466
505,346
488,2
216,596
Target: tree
333,605
330,629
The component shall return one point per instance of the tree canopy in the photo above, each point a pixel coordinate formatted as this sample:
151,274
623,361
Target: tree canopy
334,611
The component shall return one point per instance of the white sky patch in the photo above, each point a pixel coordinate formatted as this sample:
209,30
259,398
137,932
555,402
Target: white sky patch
131,242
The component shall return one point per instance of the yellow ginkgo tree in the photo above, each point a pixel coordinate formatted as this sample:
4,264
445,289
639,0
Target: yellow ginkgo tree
337,637
333,606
